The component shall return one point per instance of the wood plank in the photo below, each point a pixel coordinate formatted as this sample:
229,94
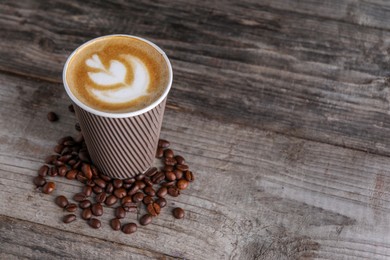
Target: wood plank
258,194
294,69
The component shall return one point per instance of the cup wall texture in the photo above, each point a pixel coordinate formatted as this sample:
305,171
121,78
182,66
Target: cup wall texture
122,147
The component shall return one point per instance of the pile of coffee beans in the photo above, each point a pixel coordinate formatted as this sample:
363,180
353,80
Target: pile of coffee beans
149,190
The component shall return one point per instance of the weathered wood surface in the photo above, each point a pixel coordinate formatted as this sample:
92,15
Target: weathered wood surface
281,108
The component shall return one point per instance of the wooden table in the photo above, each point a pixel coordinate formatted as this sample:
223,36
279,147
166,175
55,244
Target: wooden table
280,107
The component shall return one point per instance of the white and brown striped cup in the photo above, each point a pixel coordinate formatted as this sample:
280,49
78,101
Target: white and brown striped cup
121,145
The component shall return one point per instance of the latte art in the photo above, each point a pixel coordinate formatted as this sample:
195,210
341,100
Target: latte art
117,74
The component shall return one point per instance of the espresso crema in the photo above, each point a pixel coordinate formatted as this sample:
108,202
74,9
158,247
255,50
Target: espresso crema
117,74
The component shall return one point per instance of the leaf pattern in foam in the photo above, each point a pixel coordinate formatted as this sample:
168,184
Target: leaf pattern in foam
115,74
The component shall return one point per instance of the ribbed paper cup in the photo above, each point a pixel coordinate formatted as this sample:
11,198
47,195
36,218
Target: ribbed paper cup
121,145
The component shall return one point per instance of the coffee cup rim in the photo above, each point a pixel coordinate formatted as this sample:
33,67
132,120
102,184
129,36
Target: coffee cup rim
118,114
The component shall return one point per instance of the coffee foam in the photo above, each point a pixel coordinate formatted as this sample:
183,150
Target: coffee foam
117,74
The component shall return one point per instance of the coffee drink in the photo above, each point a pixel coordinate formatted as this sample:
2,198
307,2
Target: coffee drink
117,74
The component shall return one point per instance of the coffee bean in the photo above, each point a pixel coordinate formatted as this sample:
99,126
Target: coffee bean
168,168
94,223
84,156
71,175
87,190
151,171
140,184
97,209
182,184
161,202
101,197
90,183
117,183
153,209
71,207
126,199
170,176
86,213
182,167
66,151
160,152
120,193
129,228
76,165
163,143
168,184
129,181
105,177
77,127
49,187
39,181
162,192
179,159
69,218
58,163
140,177
58,148
111,200
147,181
71,108
170,161
147,200
51,116
120,212
64,139
95,171
61,201
97,190
81,178
53,171
178,174
178,213
115,224
100,182
72,162
85,204
130,207
158,177
145,220
138,197
86,169
78,197
62,171
173,191
109,188
149,191
189,176
134,188
168,153
43,171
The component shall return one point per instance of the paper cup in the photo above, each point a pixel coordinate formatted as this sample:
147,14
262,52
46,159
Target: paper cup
121,145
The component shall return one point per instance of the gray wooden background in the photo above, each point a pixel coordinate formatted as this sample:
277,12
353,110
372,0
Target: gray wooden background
280,107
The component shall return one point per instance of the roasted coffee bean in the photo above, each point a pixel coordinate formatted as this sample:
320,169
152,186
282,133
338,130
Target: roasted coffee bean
138,197
51,116
78,197
173,191
86,169
129,228
77,127
72,162
126,185
170,161
62,171
178,173
147,181
58,163
115,224
64,139
126,199
170,176
95,171
179,159
86,213
71,175
81,178
189,176
39,181
168,153
100,182
153,209
150,172
168,168
97,190
101,197
140,184
168,184
182,167
71,207
159,152
71,108
111,200
66,150
94,223
129,181
161,202
140,177
84,156
49,187
87,190
120,193
178,213
76,165
64,158
145,220
105,177
147,200
61,201
109,188
130,207
58,148
120,212
158,177
97,209
69,143
162,192
43,171
182,184
163,143
133,190
149,191
90,183
85,204
69,218
53,171
117,183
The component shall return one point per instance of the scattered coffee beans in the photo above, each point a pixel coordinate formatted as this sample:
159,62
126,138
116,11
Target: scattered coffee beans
51,116
94,223
115,224
178,213
145,220
61,201
48,187
129,228
69,218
